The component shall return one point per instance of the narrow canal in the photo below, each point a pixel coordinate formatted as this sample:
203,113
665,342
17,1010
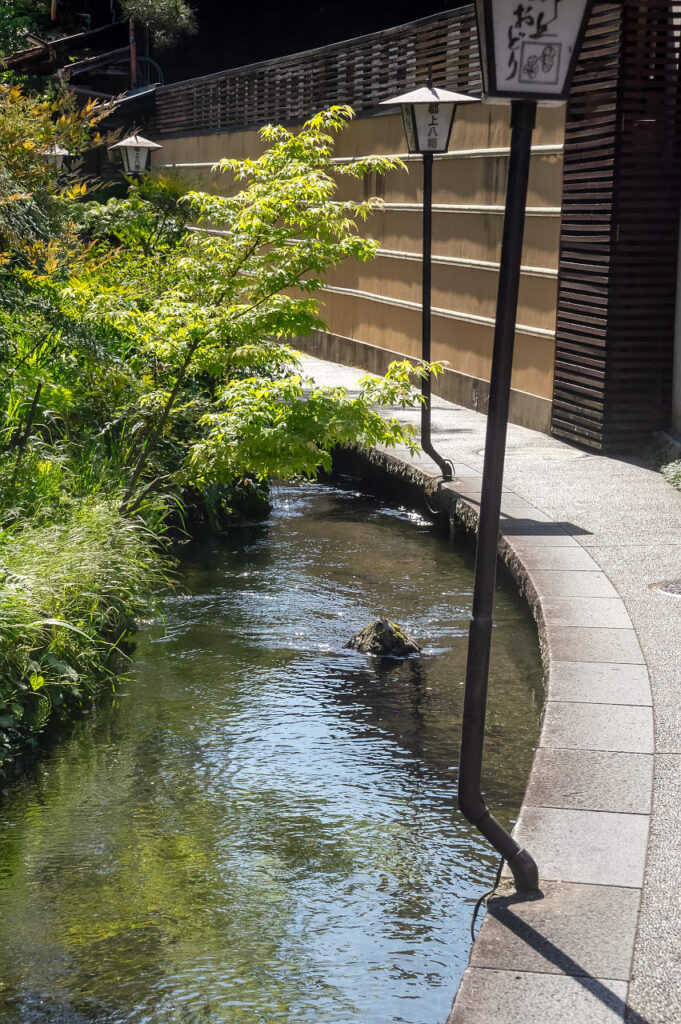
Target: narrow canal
261,826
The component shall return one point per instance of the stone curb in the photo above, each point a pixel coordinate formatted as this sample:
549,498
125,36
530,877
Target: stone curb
586,812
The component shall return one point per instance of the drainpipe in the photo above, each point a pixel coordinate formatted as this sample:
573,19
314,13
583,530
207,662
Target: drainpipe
673,86
676,373
471,801
443,464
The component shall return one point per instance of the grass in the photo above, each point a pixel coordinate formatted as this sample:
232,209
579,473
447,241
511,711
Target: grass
71,591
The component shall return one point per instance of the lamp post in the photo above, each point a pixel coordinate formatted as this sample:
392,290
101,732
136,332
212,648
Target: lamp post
135,153
528,50
428,116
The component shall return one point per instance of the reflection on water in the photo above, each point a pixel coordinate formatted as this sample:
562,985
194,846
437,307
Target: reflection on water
261,826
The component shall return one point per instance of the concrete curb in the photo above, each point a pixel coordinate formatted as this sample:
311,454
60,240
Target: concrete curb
586,811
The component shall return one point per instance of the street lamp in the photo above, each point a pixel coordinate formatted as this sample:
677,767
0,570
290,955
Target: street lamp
55,154
135,153
428,116
528,50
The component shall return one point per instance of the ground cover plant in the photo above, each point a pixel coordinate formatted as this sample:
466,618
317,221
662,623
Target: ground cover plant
147,378
671,471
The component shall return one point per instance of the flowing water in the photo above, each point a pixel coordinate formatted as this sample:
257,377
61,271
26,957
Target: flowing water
261,826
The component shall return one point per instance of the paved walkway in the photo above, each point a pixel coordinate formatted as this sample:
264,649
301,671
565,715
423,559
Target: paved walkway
588,537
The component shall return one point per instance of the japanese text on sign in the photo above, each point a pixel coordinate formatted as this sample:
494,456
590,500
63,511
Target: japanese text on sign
534,41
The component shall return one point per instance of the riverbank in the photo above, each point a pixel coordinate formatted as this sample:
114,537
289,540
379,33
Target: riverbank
588,539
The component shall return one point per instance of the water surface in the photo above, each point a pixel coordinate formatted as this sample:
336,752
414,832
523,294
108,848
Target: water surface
261,826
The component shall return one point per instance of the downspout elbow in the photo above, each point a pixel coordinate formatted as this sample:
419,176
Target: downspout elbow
522,864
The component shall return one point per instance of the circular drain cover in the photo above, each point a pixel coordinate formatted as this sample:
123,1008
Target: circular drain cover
542,454
668,587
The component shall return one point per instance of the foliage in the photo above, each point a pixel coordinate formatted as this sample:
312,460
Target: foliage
216,304
280,426
166,20
70,592
34,198
672,474
16,18
147,376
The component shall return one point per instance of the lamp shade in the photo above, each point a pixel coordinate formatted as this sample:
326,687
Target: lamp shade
529,48
135,152
428,116
55,155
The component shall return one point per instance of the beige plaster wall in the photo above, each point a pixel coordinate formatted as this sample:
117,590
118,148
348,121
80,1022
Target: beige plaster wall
378,303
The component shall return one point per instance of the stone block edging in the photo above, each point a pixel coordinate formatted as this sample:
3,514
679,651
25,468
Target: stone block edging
586,812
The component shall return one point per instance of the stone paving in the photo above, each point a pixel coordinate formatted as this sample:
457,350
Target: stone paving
588,538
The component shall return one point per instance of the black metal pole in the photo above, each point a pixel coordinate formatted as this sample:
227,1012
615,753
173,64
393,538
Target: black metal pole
471,800
444,466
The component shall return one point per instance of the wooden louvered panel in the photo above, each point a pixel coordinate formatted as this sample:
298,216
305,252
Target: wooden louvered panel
361,72
619,229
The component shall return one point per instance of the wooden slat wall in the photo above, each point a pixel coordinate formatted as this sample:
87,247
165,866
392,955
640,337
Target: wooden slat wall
360,72
619,232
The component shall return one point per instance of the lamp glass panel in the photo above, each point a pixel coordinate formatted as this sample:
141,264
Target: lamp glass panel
410,127
534,41
433,126
135,159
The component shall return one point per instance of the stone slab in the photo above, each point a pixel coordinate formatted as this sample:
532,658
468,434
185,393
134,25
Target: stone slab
529,526
575,643
512,504
600,683
560,583
587,611
625,727
522,997
595,780
527,522
471,489
562,932
592,847
574,558
521,540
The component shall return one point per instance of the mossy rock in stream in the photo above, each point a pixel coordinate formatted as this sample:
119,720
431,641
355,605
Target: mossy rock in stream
384,639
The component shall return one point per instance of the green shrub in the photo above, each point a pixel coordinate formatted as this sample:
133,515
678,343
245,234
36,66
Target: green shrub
69,597
147,374
672,474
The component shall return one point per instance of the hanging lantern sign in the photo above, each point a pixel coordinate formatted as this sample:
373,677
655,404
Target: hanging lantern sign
529,48
135,152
